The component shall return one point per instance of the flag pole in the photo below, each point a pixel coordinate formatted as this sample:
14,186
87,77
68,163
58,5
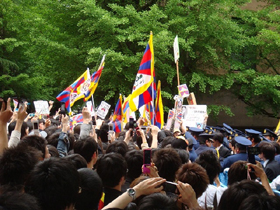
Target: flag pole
153,95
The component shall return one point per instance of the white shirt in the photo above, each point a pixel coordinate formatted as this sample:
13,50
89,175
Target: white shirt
209,195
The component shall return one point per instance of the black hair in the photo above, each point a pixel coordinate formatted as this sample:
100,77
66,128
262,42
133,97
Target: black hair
184,155
209,161
77,160
53,151
219,137
35,141
12,126
111,168
16,164
168,162
260,202
118,147
268,150
157,201
55,183
91,190
134,159
86,147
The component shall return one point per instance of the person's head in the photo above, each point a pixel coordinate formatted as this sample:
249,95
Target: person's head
238,171
16,200
195,175
267,151
260,202
168,162
167,141
236,193
277,147
52,150
16,164
91,190
87,148
134,160
184,155
209,161
180,143
111,168
157,201
38,143
77,160
77,129
55,184
253,136
218,139
41,123
205,139
118,147
24,129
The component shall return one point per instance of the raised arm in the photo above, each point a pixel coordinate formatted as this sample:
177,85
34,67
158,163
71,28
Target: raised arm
5,115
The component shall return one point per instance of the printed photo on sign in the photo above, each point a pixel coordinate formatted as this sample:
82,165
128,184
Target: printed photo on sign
183,91
194,115
103,109
171,120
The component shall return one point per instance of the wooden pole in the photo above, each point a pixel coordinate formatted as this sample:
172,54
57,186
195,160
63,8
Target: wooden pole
178,77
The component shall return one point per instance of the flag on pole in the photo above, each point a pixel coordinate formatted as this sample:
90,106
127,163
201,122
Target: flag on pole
70,95
76,119
159,108
118,113
94,80
176,49
143,89
126,109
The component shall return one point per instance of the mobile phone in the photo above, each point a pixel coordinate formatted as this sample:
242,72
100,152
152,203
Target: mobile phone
170,187
110,132
147,156
252,151
93,120
31,114
131,125
36,128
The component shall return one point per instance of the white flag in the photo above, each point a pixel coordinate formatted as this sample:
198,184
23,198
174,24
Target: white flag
176,49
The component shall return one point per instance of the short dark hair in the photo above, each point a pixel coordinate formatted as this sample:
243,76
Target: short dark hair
91,190
236,193
12,126
219,137
86,147
195,175
157,201
35,141
184,155
238,171
77,160
168,162
111,168
134,160
167,140
118,147
55,183
52,150
277,147
17,200
209,161
268,150
16,164
260,202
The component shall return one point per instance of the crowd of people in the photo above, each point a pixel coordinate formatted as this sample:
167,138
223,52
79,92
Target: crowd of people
89,168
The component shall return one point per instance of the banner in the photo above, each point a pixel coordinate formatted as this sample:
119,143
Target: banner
194,115
103,110
42,107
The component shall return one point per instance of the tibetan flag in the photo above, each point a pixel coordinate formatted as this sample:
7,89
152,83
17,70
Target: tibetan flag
15,103
143,87
70,95
159,108
101,201
94,80
150,114
117,126
118,113
76,119
126,110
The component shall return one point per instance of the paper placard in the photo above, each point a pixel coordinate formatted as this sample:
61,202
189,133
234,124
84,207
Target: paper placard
90,108
170,119
42,107
183,91
194,115
103,110
176,49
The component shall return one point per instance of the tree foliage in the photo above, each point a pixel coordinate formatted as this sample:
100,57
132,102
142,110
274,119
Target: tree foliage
46,45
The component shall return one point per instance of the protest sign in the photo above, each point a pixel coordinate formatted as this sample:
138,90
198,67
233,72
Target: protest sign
103,109
42,107
194,115
183,91
191,99
172,121
176,49
90,107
